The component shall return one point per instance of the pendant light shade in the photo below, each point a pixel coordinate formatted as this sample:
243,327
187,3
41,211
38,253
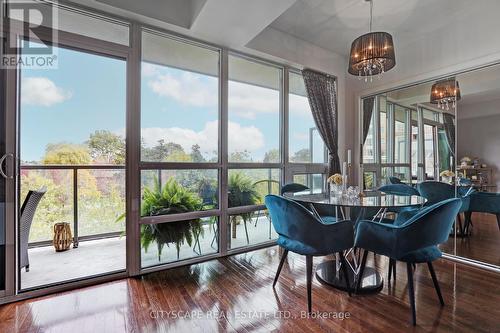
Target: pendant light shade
445,93
372,54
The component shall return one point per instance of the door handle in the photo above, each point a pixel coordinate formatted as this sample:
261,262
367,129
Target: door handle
2,160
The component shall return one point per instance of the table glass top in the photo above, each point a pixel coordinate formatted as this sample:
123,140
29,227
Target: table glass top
369,199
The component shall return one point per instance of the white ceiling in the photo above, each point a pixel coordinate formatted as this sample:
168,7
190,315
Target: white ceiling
429,35
334,24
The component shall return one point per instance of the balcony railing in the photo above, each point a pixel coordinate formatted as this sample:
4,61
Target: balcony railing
98,184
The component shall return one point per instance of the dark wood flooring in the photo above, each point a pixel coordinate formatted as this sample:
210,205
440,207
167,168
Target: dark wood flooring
484,242
235,294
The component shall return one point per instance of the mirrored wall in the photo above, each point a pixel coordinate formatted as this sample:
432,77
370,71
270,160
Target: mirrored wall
442,137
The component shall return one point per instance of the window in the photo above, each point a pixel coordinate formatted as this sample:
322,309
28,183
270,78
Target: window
72,145
429,142
179,126
170,191
315,182
247,187
400,135
370,141
384,130
414,151
254,111
179,101
305,143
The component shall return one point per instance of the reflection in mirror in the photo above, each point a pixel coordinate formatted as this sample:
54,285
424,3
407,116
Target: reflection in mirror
409,137
478,154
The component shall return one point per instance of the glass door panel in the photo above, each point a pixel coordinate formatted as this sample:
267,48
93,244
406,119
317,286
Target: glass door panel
72,152
2,183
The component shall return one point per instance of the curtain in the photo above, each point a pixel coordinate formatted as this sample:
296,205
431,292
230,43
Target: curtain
367,115
449,129
322,94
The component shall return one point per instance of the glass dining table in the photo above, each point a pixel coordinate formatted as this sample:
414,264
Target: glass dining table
371,205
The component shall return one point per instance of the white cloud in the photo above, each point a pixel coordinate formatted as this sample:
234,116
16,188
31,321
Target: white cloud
245,100
149,70
299,106
41,91
240,137
187,89
248,101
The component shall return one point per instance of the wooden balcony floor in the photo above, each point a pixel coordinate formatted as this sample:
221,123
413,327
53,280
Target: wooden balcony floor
236,294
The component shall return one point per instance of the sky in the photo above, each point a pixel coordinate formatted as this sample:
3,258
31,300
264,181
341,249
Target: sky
88,93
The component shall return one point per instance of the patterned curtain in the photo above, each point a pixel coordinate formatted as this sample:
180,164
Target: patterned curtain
367,115
449,129
322,94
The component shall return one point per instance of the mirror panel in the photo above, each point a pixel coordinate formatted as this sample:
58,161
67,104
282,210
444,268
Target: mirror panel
478,153
407,137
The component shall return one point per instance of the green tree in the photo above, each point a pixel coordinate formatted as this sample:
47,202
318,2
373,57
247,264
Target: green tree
302,155
272,156
161,151
240,156
106,147
196,155
66,153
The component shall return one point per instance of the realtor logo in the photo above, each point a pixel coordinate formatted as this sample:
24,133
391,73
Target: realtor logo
35,23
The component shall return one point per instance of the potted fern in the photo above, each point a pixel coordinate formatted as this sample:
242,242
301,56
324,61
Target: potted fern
242,192
172,198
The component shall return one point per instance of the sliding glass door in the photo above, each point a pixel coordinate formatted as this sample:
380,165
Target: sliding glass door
2,180
72,155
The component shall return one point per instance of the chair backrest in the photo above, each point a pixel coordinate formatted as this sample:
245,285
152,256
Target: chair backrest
399,189
435,192
293,188
394,180
28,210
430,226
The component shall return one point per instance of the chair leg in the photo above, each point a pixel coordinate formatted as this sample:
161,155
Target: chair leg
361,270
394,265
344,270
436,283
498,221
282,261
309,264
411,292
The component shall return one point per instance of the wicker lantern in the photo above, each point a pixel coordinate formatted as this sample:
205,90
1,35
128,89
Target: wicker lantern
62,237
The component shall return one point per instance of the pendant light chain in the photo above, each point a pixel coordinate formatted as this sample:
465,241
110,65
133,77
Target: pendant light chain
371,14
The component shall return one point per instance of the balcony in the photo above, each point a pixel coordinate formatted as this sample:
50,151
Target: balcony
91,198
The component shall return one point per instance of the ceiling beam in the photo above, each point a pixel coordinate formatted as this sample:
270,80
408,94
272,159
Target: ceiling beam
233,23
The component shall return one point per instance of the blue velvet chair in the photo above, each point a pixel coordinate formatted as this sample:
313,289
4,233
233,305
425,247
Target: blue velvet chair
437,191
399,189
300,231
293,188
483,202
414,241
394,180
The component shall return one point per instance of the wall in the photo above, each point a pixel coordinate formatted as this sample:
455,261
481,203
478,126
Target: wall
479,135
296,51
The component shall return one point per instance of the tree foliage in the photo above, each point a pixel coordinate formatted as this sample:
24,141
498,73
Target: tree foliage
66,153
106,147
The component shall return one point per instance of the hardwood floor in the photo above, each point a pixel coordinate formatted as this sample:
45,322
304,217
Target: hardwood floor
236,294
484,242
